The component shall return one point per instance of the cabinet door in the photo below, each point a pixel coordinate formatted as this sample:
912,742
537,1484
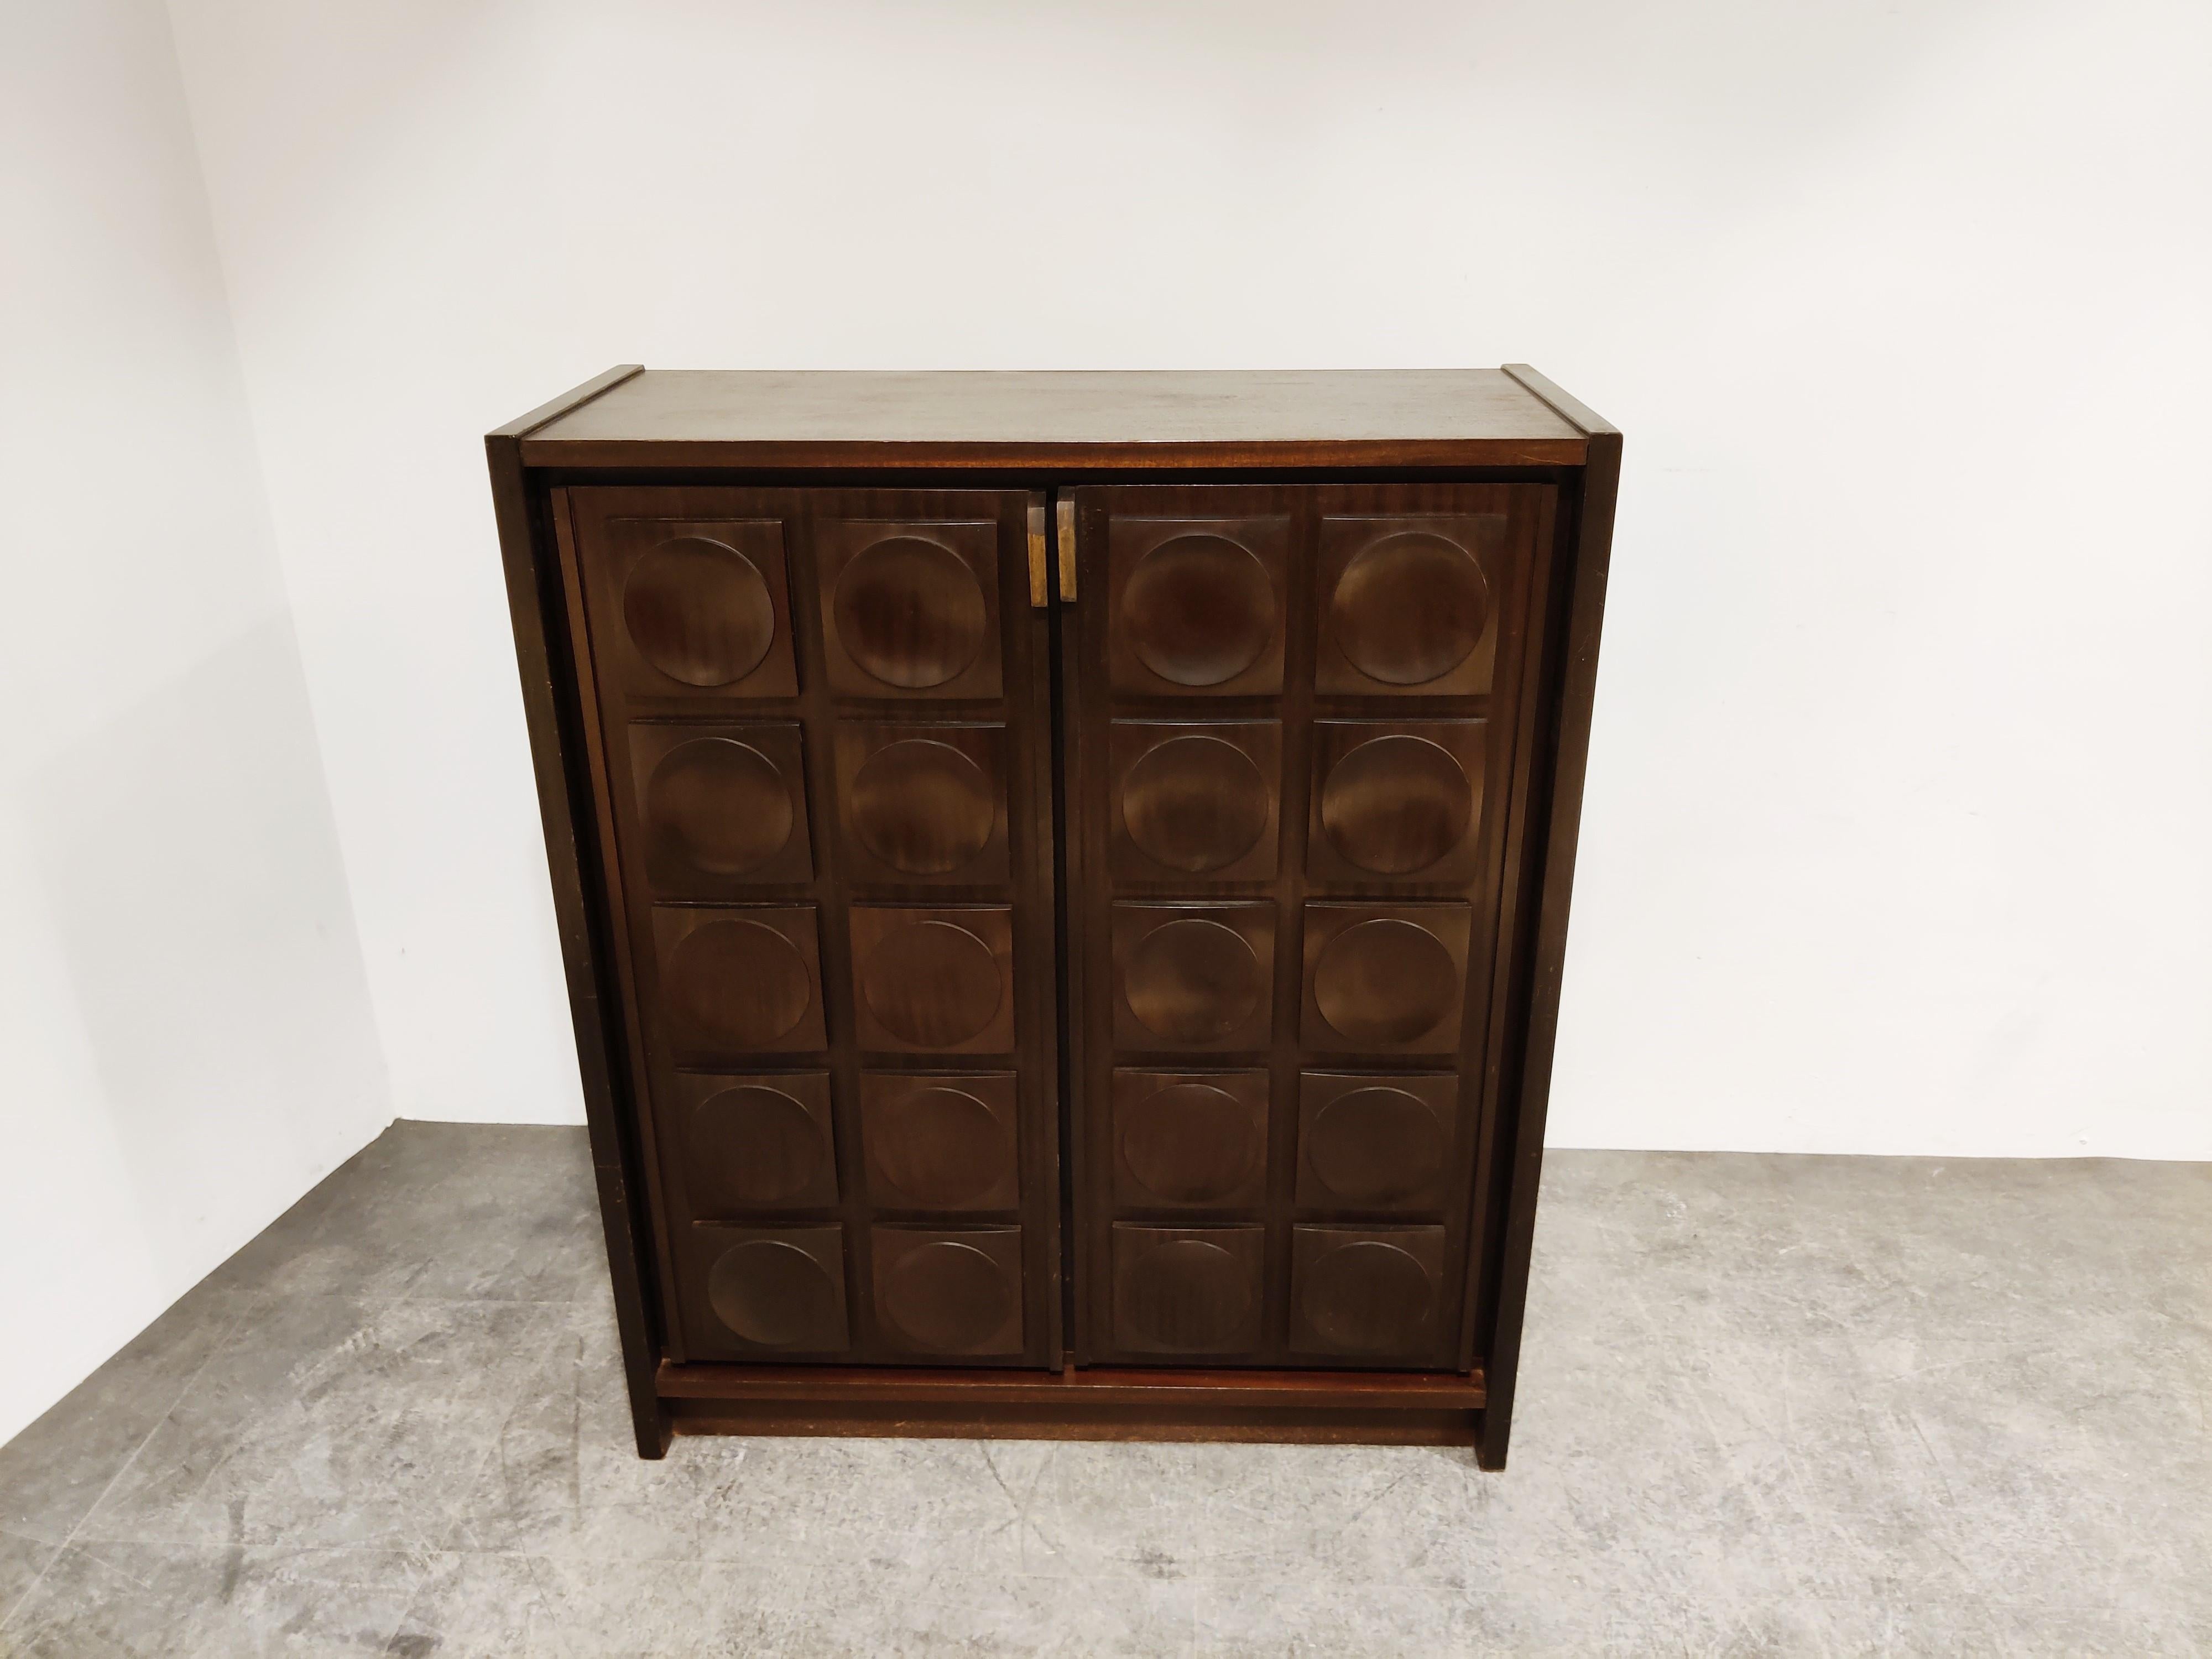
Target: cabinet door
1290,718
820,731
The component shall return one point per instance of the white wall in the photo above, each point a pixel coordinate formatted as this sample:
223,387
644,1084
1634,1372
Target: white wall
186,1041
1899,791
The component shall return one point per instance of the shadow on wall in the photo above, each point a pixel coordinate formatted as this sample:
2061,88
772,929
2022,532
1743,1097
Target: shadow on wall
192,872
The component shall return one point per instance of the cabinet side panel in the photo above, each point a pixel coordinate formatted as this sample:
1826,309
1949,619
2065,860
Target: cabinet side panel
1578,596
554,718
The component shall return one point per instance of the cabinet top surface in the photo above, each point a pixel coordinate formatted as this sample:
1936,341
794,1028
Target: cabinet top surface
1127,417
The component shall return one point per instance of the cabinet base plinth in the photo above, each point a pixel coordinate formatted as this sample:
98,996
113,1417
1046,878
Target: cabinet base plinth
1383,1408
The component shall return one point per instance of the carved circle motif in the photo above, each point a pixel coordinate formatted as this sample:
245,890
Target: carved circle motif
755,1145
1377,1145
948,1297
940,1146
1199,610
910,613
1191,980
723,804
1396,804
1384,982
1368,1297
1409,608
1194,804
1190,1297
1189,1143
774,1293
699,612
932,983
922,806
740,980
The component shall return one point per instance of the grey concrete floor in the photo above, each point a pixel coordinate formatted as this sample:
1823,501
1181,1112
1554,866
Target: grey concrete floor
1770,1405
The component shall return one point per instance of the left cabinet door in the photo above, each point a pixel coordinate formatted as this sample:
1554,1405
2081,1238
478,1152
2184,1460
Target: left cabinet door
819,724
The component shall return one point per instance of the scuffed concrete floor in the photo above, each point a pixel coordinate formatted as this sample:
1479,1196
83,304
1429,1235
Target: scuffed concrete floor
1770,1405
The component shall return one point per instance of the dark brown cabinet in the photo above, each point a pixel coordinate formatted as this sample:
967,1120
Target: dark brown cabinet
1063,880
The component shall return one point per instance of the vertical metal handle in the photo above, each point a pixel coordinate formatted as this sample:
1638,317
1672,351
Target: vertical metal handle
1065,528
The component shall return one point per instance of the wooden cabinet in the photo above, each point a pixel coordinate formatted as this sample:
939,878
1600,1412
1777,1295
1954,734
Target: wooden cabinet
1063,881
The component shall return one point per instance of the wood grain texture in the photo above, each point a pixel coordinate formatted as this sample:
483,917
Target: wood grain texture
1557,770
924,803
1396,799
545,657
1311,891
757,1142
826,844
722,809
947,1294
1189,1140
909,609
1376,1142
942,1140
1310,1406
1123,419
1195,800
765,1292
1290,730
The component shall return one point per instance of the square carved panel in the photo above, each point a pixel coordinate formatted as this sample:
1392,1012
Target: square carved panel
1193,977
940,1141
934,980
1195,801
922,803
910,609
1193,1291
1196,606
764,1292
1367,1294
761,1141
1384,979
1189,1139
942,1293
739,981
692,608
1409,604
1396,801
722,809
1380,1143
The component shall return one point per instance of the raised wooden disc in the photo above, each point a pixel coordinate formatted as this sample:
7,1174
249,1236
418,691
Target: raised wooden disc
725,804
1194,803
1384,982
1199,610
910,613
1396,804
1189,1143
940,1146
1375,1145
923,806
755,1144
1191,980
1369,1297
933,983
1409,608
740,980
699,612
1189,1295
948,1297
774,1293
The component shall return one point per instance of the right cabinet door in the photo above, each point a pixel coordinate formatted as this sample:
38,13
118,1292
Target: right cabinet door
1292,718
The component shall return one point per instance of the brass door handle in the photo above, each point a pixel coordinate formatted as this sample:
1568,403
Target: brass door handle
1040,575
1065,504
